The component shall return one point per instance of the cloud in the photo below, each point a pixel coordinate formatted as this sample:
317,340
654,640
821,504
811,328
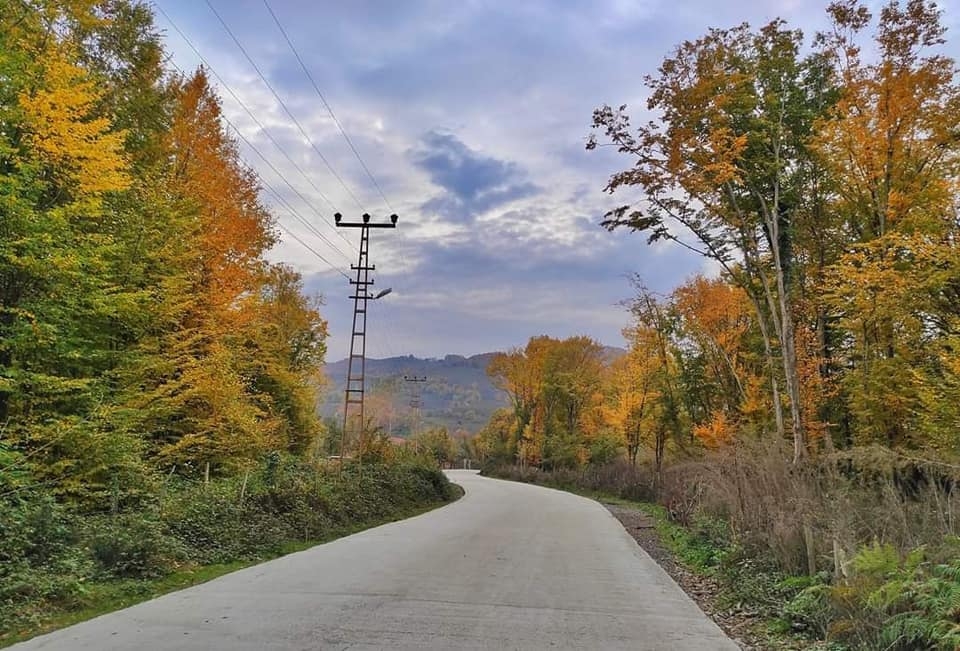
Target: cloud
472,116
473,183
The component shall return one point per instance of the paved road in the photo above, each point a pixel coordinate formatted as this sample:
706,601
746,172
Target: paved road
508,566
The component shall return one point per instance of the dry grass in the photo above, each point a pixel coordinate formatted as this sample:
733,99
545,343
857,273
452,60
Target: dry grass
820,512
808,517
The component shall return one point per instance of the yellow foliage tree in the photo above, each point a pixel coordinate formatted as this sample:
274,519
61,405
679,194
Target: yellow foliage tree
62,127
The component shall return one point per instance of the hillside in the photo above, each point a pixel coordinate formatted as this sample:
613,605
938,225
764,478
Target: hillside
457,394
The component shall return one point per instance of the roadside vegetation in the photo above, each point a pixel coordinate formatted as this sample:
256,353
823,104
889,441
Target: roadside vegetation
159,376
797,412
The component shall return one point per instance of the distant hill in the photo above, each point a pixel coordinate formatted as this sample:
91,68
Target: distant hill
457,394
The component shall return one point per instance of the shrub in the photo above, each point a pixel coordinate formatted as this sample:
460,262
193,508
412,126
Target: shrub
216,527
618,478
131,545
48,555
40,561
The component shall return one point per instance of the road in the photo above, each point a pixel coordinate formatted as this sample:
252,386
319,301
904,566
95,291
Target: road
508,566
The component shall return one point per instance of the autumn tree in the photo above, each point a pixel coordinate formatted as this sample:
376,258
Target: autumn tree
652,333
720,358
891,142
61,162
497,439
139,319
571,378
519,373
726,165
436,443
629,406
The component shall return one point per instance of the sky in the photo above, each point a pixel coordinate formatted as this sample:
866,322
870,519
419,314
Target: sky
471,118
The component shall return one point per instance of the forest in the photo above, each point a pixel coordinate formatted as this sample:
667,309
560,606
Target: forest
158,375
798,410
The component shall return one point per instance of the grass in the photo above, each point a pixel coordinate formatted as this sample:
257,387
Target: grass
102,597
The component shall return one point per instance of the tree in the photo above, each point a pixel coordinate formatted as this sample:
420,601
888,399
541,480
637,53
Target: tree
519,373
572,373
727,166
651,336
630,405
437,444
61,161
497,440
891,142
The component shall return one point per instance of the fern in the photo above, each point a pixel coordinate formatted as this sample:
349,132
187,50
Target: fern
933,621
876,560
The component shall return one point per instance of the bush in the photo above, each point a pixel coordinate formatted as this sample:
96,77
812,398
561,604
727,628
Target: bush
215,526
40,560
897,602
604,450
809,611
618,478
131,545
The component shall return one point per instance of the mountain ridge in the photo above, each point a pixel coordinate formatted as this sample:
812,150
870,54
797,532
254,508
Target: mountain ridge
457,394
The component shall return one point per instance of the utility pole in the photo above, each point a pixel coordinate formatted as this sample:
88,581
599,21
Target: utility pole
356,363
415,401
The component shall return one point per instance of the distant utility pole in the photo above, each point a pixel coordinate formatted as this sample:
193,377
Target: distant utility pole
415,400
356,363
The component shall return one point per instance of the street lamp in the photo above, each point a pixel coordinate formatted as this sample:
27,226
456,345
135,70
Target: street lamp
382,293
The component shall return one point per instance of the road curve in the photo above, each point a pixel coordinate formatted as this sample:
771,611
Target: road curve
508,566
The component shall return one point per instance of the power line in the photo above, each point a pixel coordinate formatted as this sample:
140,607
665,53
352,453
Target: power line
327,106
323,100
287,205
290,115
390,350
310,227
256,121
283,104
311,249
299,218
313,229
280,198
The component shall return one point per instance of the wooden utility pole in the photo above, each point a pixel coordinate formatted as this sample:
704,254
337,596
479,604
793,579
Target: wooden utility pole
356,363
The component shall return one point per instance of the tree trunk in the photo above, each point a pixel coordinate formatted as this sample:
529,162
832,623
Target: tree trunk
658,456
793,386
771,365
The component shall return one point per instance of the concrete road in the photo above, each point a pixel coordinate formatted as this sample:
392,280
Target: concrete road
508,566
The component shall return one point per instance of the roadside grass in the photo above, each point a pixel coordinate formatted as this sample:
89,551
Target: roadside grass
98,595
